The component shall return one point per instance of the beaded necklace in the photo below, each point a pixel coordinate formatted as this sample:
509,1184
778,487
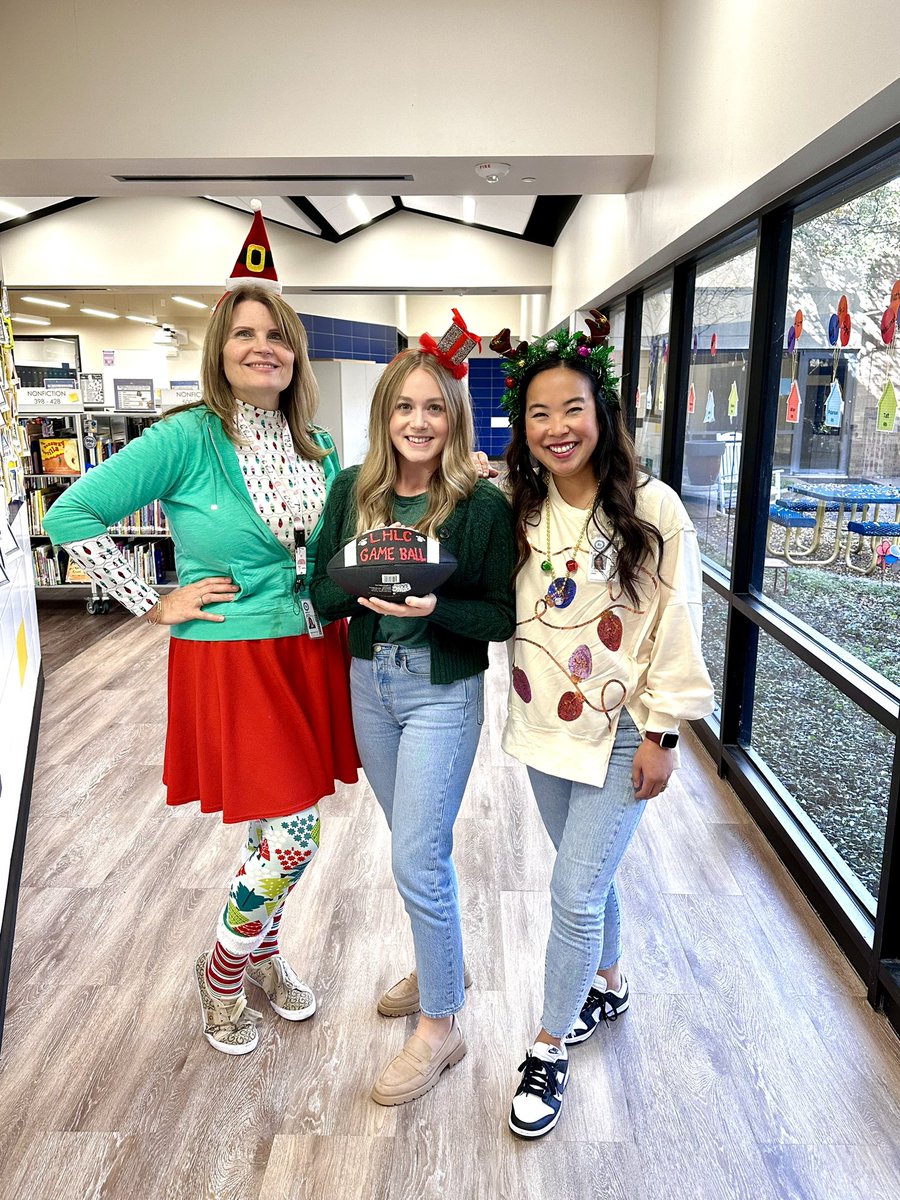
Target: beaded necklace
561,591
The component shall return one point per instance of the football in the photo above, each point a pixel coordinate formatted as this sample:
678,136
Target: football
391,563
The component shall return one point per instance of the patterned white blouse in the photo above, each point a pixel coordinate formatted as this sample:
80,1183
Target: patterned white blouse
285,489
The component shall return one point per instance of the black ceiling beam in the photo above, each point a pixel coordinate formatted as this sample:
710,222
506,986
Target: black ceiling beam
329,233
72,202
548,218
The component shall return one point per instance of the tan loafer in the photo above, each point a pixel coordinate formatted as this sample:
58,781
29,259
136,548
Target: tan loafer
402,1000
417,1068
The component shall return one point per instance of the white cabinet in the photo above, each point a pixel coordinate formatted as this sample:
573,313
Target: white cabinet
345,391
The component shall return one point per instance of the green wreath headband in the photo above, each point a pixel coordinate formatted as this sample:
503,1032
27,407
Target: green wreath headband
588,350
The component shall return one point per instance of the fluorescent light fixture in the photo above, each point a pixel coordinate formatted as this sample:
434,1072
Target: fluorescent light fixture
468,209
99,312
31,320
12,210
357,207
142,320
45,303
191,303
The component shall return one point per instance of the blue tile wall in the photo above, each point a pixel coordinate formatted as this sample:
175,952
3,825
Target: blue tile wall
334,337
486,387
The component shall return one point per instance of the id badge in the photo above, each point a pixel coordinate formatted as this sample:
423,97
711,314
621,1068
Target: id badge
300,554
313,627
599,561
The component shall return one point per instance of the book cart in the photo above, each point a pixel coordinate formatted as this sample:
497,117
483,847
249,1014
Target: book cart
65,440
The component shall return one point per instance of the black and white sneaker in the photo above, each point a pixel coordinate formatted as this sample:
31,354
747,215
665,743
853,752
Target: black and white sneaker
538,1101
601,1004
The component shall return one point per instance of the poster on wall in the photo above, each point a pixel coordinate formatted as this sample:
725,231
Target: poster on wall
134,395
92,389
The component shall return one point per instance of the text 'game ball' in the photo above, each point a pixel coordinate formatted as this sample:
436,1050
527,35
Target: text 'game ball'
391,563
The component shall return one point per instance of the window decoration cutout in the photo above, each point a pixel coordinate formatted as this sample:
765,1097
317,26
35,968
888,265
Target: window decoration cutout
887,406
710,414
692,398
733,400
795,332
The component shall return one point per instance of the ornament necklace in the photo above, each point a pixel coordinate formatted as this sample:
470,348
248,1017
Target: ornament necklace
561,591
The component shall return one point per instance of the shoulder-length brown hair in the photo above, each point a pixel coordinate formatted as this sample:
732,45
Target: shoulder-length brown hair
455,477
299,400
615,468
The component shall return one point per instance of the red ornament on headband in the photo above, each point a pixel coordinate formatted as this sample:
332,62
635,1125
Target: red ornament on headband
454,347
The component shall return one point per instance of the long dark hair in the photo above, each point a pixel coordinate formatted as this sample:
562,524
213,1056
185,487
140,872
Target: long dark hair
615,467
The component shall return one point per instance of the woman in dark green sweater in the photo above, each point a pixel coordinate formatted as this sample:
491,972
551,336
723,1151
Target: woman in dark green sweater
417,673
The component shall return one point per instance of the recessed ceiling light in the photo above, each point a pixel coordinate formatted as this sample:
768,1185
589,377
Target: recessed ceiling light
468,209
357,207
191,303
528,179
99,312
142,320
12,210
45,303
31,320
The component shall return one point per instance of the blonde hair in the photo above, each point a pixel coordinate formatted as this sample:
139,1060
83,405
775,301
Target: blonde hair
455,477
300,398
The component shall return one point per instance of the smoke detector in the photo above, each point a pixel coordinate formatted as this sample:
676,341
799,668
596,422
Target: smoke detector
492,172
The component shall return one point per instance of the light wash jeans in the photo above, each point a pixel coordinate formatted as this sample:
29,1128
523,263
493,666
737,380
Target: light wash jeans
417,741
590,828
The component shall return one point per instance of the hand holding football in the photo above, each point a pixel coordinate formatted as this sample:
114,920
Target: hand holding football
391,563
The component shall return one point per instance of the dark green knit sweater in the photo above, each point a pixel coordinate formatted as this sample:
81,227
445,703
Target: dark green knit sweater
476,604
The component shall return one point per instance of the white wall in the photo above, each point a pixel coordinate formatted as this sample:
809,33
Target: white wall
173,242
293,79
484,315
754,96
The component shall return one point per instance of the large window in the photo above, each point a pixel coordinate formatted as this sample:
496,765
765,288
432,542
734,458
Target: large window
835,488
831,757
650,397
717,393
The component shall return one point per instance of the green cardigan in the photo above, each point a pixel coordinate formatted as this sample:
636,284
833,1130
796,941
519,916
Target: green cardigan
475,606
188,463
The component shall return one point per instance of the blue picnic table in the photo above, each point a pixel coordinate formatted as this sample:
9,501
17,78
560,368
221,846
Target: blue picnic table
854,499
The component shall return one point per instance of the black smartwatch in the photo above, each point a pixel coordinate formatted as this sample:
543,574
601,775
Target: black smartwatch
668,739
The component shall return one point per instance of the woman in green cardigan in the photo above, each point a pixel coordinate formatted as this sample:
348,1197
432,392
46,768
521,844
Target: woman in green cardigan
259,724
417,673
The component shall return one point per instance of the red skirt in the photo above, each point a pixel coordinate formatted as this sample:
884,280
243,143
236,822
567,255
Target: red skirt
259,728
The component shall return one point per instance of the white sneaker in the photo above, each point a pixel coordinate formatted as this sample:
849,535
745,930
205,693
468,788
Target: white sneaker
228,1024
601,1004
290,997
537,1103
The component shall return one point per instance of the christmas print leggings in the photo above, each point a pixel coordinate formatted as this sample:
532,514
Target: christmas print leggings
279,849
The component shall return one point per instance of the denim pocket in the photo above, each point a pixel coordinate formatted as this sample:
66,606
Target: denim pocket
416,662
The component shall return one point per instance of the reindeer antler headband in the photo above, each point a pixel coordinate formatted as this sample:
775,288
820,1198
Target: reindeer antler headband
589,350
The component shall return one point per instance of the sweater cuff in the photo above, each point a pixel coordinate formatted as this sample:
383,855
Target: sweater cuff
659,722
106,565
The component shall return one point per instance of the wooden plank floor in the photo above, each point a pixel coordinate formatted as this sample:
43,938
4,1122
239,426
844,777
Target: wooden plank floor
749,1065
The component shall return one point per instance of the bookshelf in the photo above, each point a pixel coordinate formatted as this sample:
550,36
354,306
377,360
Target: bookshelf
62,444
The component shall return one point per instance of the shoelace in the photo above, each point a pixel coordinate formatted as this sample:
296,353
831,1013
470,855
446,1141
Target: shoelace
539,1078
232,1014
608,1012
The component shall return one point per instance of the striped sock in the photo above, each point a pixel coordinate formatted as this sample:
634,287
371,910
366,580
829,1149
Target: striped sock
225,971
268,948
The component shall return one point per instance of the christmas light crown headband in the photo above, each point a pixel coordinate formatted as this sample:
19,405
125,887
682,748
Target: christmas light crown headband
588,350
454,347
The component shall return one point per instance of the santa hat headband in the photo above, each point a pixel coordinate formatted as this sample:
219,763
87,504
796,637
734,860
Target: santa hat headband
454,347
254,264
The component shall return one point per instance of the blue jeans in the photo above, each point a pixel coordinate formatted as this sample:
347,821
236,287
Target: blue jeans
590,828
417,741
